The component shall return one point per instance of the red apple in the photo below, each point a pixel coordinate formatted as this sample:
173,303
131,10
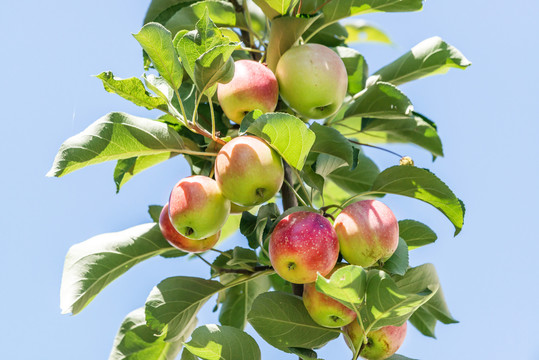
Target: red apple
325,310
303,244
253,86
197,207
181,242
381,343
248,171
368,231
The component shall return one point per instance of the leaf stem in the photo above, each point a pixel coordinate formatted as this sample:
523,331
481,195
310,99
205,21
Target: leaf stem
351,199
213,137
296,172
375,147
295,192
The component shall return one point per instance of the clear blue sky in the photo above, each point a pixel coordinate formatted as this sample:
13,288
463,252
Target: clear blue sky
485,115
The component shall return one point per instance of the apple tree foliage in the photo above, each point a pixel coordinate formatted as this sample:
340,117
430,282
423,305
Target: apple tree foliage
188,47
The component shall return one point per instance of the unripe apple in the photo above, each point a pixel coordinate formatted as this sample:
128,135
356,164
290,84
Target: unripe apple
325,310
197,207
238,209
368,231
303,244
253,86
312,80
248,171
181,242
381,343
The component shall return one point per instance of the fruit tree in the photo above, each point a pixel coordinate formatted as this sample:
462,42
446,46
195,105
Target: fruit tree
271,108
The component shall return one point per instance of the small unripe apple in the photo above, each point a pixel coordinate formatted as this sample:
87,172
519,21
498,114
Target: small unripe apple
381,343
368,231
197,207
181,242
312,80
248,171
303,244
253,86
325,310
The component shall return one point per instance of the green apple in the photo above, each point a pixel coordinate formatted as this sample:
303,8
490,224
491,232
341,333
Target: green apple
181,242
248,171
253,86
325,310
381,343
368,231
197,207
238,209
302,245
312,80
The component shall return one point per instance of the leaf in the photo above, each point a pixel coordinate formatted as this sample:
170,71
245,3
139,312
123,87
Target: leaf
127,168
221,13
239,299
255,228
358,180
388,304
346,285
361,31
115,136
332,142
281,6
282,320
399,357
175,301
332,35
186,355
136,341
423,185
214,342
380,100
238,258
303,353
155,212
429,57
93,264
131,89
161,10
285,133
214,66
399,261
356,68
416,234
156,40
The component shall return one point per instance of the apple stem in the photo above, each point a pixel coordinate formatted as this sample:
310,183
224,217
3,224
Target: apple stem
297,196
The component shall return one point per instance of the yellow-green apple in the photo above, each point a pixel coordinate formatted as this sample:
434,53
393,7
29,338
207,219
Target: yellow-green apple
248,171
368,231
312,80
381,343
303,244
325,310
181,242
197,207
253,86
238,209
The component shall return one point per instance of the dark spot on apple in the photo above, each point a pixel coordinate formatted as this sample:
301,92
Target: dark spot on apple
291,266
335,318
260,192
189,231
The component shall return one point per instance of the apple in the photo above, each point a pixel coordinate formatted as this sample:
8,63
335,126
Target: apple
301,245
181,242
197,207
248,171
312,80
238,209
325,310
381,343
368,231
253,86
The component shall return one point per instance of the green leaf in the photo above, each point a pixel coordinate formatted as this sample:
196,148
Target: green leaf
332,35
175,301
136,341
155,212
416,234
214,66
221,12
131,89
429,57
237,258
113,137
127,168
399,357
282,320
281,6
332,142
380,100
423,185
156,40
346,285
361,31
186,355
255,228
388,304
303,353
399,261
285,133
162,10
93,264
436,308
214,342
358,180
239,299
356,68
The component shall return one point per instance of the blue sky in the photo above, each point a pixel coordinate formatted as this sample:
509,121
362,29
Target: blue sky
486,116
